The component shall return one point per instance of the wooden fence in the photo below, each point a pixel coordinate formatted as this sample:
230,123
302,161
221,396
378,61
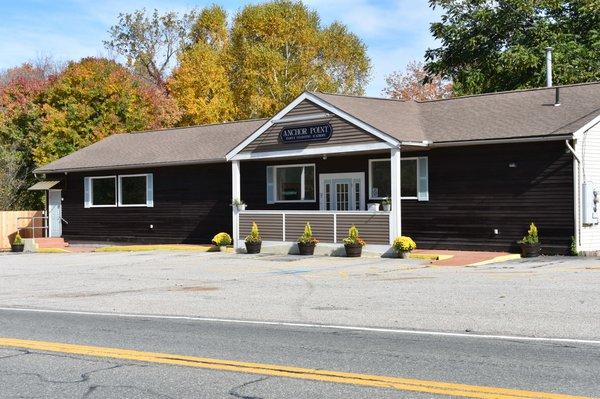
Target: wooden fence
8,226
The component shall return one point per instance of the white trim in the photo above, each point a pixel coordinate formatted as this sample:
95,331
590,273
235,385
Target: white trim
395,220
92,178
302,183
334,149
120,191
578,134
235,195
323,104
334,176
302,118
388,160
295,212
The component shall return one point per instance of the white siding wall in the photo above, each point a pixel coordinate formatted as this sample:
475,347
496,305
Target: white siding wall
589,148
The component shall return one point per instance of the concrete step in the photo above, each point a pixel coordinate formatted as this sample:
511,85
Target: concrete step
51,242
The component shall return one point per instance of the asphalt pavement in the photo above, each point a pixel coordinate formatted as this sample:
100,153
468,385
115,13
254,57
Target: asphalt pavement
557,367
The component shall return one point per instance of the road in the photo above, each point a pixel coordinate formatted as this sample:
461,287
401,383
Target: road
406,365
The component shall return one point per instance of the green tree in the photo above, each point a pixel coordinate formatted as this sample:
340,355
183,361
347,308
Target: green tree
150,43
490,46
92,99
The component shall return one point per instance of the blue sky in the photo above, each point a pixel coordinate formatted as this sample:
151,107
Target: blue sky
394,31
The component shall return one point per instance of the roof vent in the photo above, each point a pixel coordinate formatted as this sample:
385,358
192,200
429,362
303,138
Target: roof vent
557,97
549,66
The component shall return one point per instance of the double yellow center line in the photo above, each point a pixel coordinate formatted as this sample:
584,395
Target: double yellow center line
374,381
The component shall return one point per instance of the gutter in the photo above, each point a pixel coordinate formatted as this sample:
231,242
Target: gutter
41,171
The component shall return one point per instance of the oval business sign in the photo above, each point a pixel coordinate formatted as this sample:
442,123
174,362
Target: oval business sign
300,134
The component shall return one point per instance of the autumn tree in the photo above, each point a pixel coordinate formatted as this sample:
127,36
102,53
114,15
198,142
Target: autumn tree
280,49
150,42
92,99
490,46
414,83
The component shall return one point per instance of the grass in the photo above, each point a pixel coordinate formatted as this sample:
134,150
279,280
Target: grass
156,247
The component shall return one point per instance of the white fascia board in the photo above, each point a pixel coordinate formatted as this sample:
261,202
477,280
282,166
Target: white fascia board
264,127
581,131
323,104
312,151
357,122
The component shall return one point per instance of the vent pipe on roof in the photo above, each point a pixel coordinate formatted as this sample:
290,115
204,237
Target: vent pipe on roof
549,66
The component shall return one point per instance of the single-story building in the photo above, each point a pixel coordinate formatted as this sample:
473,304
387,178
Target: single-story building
463,173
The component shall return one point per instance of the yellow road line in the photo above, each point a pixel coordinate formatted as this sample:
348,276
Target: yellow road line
376,381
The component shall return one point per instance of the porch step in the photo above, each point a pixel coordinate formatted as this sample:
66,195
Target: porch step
51,242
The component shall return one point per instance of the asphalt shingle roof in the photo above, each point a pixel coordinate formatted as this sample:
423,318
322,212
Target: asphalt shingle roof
506,115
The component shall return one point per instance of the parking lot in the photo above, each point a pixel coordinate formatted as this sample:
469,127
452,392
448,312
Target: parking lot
548,296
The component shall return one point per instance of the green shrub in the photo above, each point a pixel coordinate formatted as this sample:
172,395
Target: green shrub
404,244
254,236
573,248
307,237
18,240
532,236
354,237
222,239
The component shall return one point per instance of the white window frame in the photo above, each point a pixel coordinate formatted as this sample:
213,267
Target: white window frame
120,196
92,178
371,161
302,183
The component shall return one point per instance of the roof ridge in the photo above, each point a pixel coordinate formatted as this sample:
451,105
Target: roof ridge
357,96
494,93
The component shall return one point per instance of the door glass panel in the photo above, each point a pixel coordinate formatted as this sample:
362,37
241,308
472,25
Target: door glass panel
342,196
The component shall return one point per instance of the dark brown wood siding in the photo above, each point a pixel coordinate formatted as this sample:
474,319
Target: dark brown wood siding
191,204
344,133
472,191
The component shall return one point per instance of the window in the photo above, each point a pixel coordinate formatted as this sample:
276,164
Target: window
413,179
133,190
103,191
291,183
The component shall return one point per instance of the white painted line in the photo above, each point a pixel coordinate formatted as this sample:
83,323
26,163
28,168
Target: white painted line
310,325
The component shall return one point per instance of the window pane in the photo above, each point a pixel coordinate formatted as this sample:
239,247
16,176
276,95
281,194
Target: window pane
408,185
289,184
133,190
103,191
309,182
380,179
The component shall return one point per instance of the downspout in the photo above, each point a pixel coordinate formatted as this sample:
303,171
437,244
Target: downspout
577,165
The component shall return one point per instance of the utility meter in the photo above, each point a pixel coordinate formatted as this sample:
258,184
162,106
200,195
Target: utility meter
589,203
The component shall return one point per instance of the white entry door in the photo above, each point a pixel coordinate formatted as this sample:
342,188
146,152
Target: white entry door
342,191
54,213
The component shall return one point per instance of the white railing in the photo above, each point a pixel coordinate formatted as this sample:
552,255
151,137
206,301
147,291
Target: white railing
334,214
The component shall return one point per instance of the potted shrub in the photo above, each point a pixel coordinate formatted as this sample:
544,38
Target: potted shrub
17,244
386,204
403,245
530,244
306,242
222,240
239,204
373,206
353,243
253,240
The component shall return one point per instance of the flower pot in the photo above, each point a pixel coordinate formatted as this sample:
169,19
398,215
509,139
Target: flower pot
373,206
253,247
404,254
353,250
386,207
17,247
223,248
306,249
241,207
530,250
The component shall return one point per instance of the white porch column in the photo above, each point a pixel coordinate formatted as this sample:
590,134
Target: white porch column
235,195
395,217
